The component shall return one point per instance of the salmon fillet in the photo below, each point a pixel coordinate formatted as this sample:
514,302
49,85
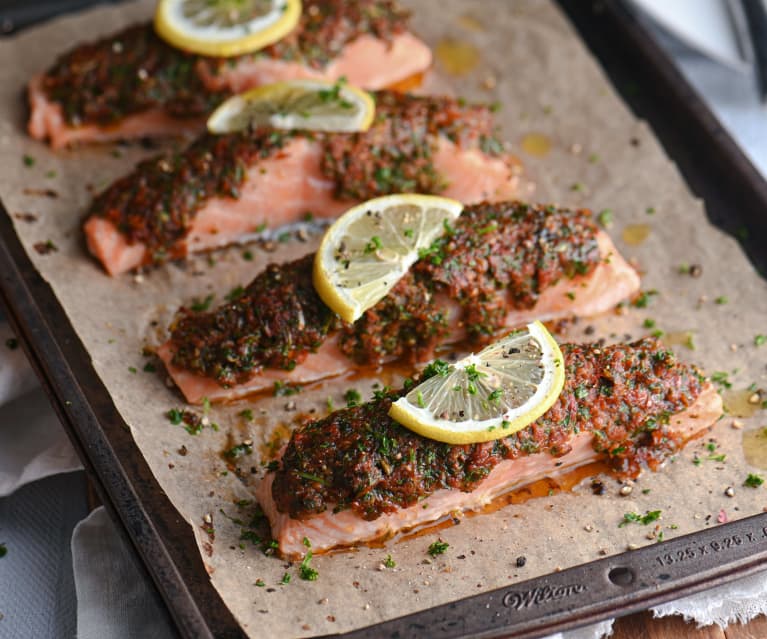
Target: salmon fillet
292,179
300,498
610,280
163,91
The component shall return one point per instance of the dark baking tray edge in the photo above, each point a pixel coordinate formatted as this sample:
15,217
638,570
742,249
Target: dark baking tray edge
612,586
125,484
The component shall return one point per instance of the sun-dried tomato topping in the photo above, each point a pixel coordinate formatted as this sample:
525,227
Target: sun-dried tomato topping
497,258
359,458
135,70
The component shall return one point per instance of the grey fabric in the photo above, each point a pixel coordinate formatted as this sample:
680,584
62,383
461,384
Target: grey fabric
33,444
16,375
37,595
113,599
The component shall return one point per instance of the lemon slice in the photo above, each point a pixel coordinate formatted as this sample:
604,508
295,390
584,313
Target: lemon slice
315,105
371,246
490,395
225,28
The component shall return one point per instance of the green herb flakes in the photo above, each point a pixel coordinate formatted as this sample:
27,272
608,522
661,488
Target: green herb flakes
605,218
286,389
373,245
352,397
721,378
635,518
199,306
305,571
644,298
438,548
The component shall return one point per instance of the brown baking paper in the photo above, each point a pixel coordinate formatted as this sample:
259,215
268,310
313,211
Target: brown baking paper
529,59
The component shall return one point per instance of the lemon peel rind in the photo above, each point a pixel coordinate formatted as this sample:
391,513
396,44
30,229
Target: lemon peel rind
343,304
166,27
230,108
490,429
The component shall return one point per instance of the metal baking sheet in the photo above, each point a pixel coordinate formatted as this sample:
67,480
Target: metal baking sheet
562,599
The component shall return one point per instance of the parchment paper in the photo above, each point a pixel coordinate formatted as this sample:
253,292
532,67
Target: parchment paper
601,156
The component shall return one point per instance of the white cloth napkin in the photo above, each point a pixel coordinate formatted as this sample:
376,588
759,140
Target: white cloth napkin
113,599
736,602
32,443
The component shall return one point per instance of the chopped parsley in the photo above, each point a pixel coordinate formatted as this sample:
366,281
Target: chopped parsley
721,300
635,518
286,389
760,339
174,416
352,397
437,367
373,245
389,562
605,218
305,571
644,298
753,481
199,306
438,548
285,579
238,451
721,378
28,160
149,367
246,414
236,292
649,323
473,374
